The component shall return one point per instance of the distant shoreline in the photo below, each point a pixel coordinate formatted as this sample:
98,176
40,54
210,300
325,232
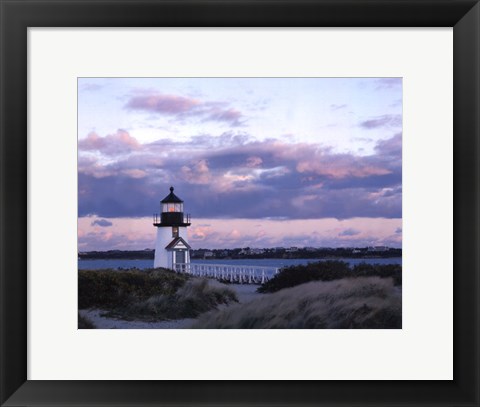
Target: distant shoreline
239,254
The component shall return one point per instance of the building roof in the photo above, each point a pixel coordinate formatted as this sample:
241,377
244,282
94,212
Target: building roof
175,242
171,198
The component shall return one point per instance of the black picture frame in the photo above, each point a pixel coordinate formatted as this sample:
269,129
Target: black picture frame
18,15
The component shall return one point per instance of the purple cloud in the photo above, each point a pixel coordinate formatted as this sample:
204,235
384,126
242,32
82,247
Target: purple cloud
349,232
388,83
391,147
231,116
185,107
102,222
241,178
387,120
166,104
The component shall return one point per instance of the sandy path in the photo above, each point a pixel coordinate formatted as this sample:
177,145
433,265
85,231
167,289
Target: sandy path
245,293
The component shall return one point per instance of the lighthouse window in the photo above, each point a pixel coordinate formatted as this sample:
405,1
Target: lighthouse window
175,232
172,207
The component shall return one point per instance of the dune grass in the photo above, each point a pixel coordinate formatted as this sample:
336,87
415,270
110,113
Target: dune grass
194,298
360,303
149,295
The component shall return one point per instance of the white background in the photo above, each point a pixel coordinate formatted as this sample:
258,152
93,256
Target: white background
421,350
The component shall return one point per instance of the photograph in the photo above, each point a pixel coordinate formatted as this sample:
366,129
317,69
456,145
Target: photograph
239,203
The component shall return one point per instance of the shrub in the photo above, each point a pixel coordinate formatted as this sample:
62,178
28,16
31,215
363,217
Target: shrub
300,274
328,271
108,289
379,270
361,303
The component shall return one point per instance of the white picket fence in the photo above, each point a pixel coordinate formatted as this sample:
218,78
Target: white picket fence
228,272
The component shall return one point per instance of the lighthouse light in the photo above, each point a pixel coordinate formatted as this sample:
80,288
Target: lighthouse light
172,207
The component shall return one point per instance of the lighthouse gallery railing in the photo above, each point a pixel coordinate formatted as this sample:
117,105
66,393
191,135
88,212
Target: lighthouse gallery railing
228,272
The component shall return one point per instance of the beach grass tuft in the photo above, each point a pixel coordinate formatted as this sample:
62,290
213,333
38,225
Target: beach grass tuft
194,298
361,303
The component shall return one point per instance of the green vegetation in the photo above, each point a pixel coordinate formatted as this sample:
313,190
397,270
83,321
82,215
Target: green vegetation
108,289
194,298
328,271
361,303
153,295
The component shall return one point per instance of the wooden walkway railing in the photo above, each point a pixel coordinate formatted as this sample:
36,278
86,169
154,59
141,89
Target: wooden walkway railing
228,272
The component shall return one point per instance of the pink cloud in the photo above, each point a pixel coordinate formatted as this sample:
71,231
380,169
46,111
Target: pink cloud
338,168
138,233
135,173
113,144
231,116
312,177
168,104
183,107
197,173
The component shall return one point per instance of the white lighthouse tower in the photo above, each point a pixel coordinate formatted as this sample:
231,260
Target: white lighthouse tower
171,247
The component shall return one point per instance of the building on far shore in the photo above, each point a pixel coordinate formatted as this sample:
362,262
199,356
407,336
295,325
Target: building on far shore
171,248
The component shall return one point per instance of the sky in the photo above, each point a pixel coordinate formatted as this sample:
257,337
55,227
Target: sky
259,162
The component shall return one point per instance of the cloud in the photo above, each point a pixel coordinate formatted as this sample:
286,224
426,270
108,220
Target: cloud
185,107
387,120
398,230
101,222
388,83
242,178
334,107
108,240
341,166
391,147
90,87
139,233
135,173
197,173
231,116
253,162
113,144
349,232
166,104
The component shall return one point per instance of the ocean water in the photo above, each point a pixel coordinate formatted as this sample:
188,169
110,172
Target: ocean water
146,264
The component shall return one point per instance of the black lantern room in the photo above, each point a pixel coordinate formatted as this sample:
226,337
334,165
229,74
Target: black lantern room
172,212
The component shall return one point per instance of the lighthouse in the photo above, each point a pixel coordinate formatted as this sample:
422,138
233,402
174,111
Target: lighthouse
171,248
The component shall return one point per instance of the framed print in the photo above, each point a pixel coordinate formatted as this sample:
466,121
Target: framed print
221,227
347,142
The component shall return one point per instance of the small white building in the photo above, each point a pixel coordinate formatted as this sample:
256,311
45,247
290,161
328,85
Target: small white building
171,248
